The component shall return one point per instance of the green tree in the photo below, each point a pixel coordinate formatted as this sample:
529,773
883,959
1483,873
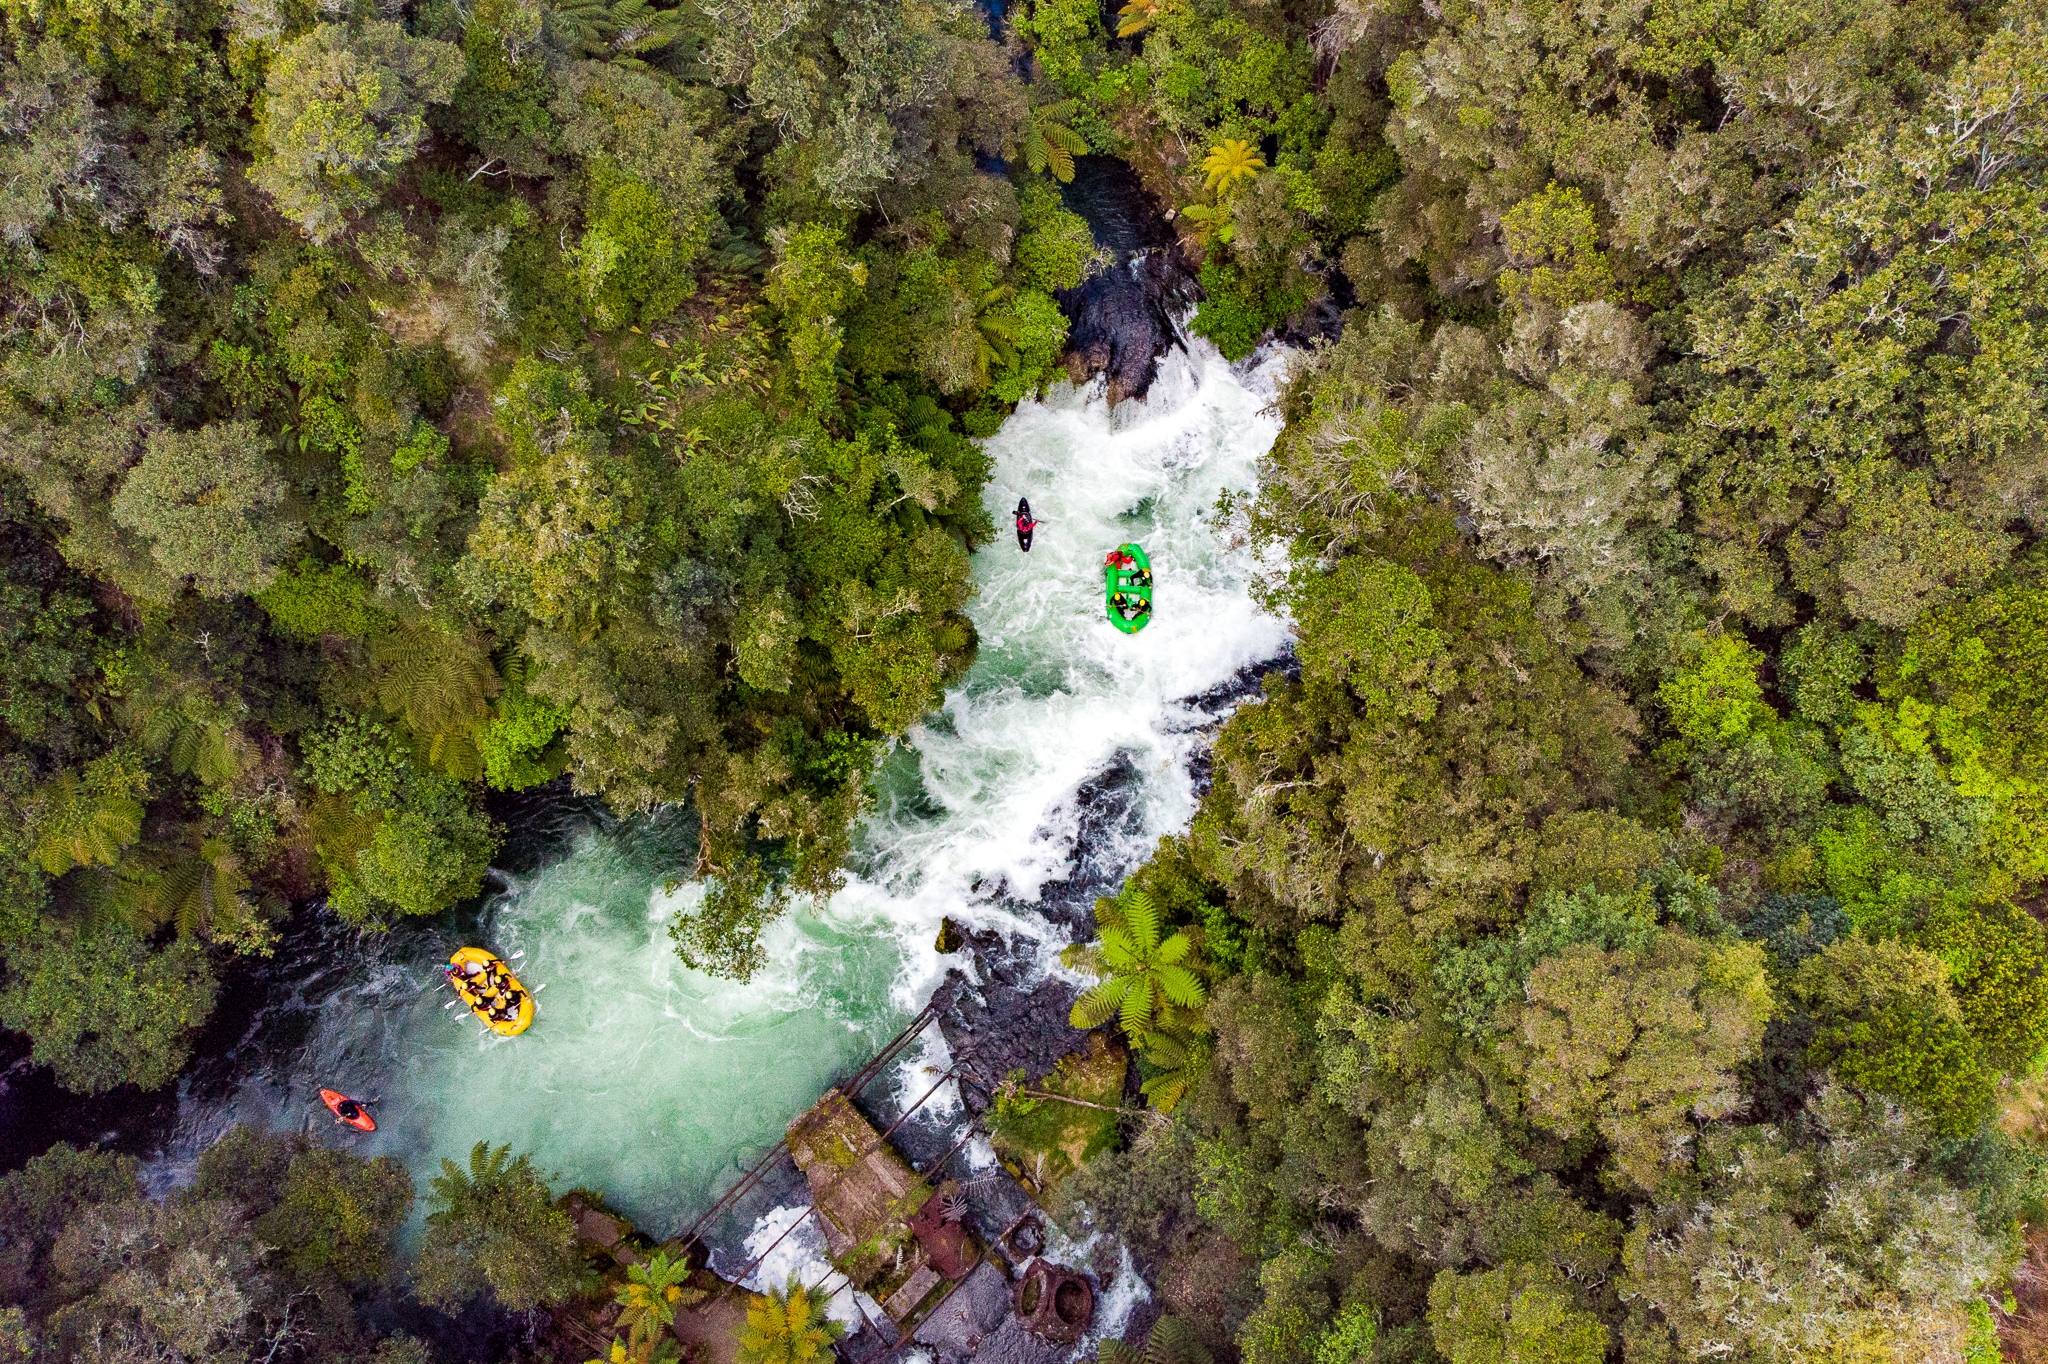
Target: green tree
336,1216
1516,1314
1780,1250
787,1326
1997,960
105,1009
496,1226
1718,700
652,185
813,281
502,101
1886,1021
1638,1044
211,508
344,107
46,1195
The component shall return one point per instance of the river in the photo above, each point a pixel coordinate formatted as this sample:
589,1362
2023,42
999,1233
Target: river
654,1083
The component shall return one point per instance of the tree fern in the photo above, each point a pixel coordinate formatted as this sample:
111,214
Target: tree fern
196,886
788,1327
1172,1340
650,1297
623,30
82,822
1179,1059
1049,144
995,333
1141,975
1209,222
197,734
436,682
1230,161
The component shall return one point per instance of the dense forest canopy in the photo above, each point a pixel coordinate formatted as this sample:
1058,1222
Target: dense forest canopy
1617,939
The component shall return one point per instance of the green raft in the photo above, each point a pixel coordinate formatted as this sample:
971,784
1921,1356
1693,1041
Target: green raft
1134,582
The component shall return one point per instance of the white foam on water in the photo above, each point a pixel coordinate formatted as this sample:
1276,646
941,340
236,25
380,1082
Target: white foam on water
658,1084
1125,1291
798,1256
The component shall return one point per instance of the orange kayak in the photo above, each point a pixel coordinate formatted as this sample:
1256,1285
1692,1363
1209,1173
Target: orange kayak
335,1099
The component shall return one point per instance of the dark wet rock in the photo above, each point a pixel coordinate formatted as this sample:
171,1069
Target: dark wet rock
951,937
1003,1025
1247,683
1106,815
1010,1343
957,1326
1218,703
1121,319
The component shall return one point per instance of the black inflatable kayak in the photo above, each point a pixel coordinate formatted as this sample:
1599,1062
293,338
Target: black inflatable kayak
1024,524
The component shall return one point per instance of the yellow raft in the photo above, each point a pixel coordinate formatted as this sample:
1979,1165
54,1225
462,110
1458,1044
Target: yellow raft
478,1003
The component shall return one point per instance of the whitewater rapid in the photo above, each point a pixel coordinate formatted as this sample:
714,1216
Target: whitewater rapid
655,1084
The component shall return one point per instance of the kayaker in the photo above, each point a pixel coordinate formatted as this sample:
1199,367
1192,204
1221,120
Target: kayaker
347,1111
1025,525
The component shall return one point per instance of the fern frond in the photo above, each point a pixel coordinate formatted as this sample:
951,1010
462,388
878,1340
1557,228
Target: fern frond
1182,986
1165,1091
1173,1341
1099,1003
1141,916
1114,1351
1140,1002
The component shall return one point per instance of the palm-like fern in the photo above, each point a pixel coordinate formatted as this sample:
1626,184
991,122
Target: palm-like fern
996,331
788,1327
1049,143
622,30
197,735
199,887
650,1297
83,823
1171,1341
1210,222
1179,1056
1141,973
1230,161
440,684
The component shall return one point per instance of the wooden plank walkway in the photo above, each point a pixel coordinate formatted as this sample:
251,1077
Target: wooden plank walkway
747,1182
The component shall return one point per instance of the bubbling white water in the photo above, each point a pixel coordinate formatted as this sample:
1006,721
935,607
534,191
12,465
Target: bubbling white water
656,1084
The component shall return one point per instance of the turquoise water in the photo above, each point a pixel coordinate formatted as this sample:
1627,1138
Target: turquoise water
657,1084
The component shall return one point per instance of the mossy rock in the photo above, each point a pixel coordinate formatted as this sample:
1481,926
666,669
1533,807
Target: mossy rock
1043,1140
